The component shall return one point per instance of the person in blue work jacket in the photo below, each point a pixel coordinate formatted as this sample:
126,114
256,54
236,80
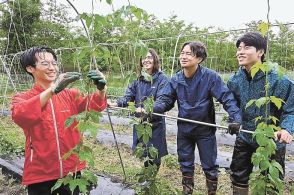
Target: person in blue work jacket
194,88
138,91
251,49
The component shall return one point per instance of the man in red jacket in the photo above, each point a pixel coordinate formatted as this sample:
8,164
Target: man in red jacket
42,111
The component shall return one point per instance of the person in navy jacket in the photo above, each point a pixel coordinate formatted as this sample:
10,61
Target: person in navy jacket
194,88
138,91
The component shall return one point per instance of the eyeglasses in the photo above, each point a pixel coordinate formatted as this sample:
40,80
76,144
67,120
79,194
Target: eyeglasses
147,58
47,63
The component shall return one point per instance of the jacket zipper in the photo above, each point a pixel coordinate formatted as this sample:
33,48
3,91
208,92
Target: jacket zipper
57,139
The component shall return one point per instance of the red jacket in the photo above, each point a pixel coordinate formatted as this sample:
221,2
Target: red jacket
47,140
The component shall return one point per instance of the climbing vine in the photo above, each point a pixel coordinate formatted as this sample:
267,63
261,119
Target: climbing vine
87,121
265,178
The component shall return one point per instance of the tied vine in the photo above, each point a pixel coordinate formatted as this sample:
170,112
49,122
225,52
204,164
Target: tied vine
87,122
265,179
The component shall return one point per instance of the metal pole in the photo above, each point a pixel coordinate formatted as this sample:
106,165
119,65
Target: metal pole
116,144
188,120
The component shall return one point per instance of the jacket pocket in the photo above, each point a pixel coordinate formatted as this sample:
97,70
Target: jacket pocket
31,150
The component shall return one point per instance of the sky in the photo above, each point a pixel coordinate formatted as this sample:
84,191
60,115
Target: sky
227,14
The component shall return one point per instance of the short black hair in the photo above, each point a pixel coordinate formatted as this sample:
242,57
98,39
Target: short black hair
254,39
28,57
198,49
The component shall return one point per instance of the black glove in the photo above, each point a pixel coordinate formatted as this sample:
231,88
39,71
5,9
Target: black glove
98,79
64,79
234,128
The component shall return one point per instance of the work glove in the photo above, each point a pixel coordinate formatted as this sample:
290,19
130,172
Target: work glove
234,128
98,79
64,79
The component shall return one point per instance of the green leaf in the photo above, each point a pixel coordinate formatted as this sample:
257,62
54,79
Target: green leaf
278,166
264,165
69,121
87,18
68,154
81,116
89,176
258,119
95,116
89,126
139,151
148,104
148,130
261,101
131,106
261,139
147,77
274,119
86,154
136,11
146,138
271,146
250,103
253,71
57,184
255,159
81,183
153,152
109,2
277,101
140,130
263,28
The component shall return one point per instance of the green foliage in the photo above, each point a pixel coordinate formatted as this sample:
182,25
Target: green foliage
12,139
82,182
144,150
171,161
263,28
265,177
87,124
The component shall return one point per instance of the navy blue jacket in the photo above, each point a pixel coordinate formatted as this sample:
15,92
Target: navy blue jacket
245,89
195,101
137,92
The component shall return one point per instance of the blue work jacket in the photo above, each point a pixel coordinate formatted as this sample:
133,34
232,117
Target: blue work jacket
246,88
195,100
137,92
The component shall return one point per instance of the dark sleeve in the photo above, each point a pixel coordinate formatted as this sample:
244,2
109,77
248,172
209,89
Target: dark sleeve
222,93
234,89
165,98
129,96
287,117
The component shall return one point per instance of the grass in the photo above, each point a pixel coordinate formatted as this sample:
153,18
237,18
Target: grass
12,139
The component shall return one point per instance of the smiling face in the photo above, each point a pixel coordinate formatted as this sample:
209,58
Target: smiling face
188,59
148,63
46,69
247,56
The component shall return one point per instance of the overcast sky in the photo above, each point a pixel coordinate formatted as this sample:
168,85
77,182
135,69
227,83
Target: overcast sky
229,14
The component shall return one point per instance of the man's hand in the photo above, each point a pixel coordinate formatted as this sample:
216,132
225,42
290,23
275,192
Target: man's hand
234,128
283,136
98,79
141,112
63,80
